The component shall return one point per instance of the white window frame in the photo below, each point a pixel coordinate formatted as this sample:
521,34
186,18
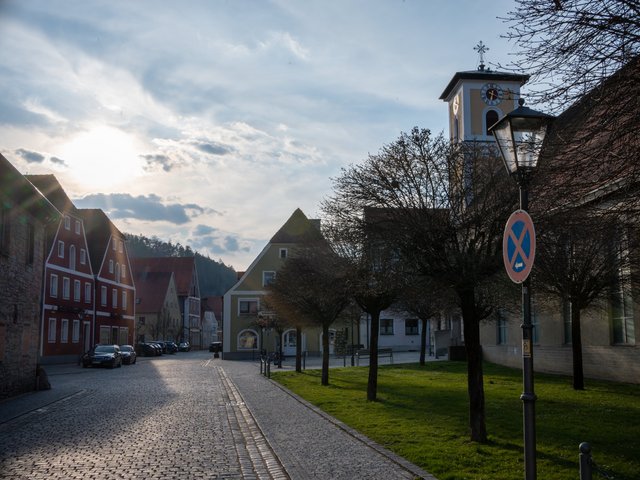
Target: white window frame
243,348
110,266
118,272
120,246
87,292
75,332
114,297
386,332
64,330
77,227
66,288
83,256
53,325
67,222
76,290
283,253
124,300
103,296
123,271
72,257
53,286
60,249
114,244
248,300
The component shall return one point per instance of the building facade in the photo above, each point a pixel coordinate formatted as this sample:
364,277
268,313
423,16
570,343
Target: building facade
24,216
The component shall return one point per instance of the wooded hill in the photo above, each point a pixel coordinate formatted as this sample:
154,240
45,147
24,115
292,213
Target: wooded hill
215,277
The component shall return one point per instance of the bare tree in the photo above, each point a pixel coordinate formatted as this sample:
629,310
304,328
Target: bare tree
570,46
312,285
448,205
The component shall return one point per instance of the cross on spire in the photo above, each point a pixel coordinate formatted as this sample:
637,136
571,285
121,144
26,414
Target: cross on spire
481,48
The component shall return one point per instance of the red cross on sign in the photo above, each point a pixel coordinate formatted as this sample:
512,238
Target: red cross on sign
519,246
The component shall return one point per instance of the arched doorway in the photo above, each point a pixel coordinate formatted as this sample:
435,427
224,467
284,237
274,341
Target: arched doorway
289,343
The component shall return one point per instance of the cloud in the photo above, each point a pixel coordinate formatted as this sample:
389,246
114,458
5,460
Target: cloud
141,207
231,244
214,148
164,161
57,161
29,156
204,230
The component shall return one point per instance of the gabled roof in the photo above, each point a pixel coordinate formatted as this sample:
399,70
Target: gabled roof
297,229
17,188
98,229
151,290
182,267
213,304
51,188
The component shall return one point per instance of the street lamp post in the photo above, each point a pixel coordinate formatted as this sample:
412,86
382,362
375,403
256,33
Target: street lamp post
519,136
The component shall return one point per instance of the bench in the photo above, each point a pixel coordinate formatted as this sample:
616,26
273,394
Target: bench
366,353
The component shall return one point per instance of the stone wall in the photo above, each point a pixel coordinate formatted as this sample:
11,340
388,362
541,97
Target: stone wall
20,298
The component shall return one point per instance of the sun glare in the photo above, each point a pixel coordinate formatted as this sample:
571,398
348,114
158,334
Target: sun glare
103,157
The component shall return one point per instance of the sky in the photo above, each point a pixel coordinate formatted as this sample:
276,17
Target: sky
208,122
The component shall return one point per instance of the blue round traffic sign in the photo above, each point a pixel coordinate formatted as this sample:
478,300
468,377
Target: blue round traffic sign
519,246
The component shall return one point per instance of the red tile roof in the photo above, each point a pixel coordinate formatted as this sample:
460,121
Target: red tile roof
182,268
151,290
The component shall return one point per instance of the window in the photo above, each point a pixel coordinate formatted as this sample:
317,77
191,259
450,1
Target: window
386,326
103,296
105,334
31,243
268,277
114,298
411,326
502,330
114,244
75,333
76,290
120,246
83,256
5,229
124,271
66,288
247,340
53,287
72,257
67,222
621,300
123,336
491,118
283,253
118,272
110,266
124,299
87,292
64,331
77,227
60,249
248,306
52,330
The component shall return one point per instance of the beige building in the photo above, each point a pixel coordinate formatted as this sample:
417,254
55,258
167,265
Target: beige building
157,306
244,302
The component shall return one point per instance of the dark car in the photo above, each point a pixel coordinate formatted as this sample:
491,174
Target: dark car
171,347
103,356
215,347
161,345
146,350
128,353
184,346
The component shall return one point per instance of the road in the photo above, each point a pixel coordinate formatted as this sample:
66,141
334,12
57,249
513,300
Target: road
178,417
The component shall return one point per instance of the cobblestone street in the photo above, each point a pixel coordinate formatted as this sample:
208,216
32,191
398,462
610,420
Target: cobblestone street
180,416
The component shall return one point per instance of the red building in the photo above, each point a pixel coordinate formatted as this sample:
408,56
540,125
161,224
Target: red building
114,288
68,293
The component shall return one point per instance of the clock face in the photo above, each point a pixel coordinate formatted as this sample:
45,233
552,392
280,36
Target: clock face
491,93
456,104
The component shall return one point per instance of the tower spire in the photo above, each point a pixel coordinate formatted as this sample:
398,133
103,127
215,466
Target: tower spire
481,48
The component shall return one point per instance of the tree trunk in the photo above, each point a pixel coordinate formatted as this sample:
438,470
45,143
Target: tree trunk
475,381
325,354
372,385
423,341
576,347
298,349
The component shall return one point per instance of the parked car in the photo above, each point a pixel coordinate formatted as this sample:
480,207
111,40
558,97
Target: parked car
215,347
128,353
184,346
103,356
161,344
171,347
146,350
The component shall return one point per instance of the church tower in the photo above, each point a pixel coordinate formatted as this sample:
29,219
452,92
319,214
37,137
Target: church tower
479,98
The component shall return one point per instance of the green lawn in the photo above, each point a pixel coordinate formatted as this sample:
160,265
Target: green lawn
422,415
